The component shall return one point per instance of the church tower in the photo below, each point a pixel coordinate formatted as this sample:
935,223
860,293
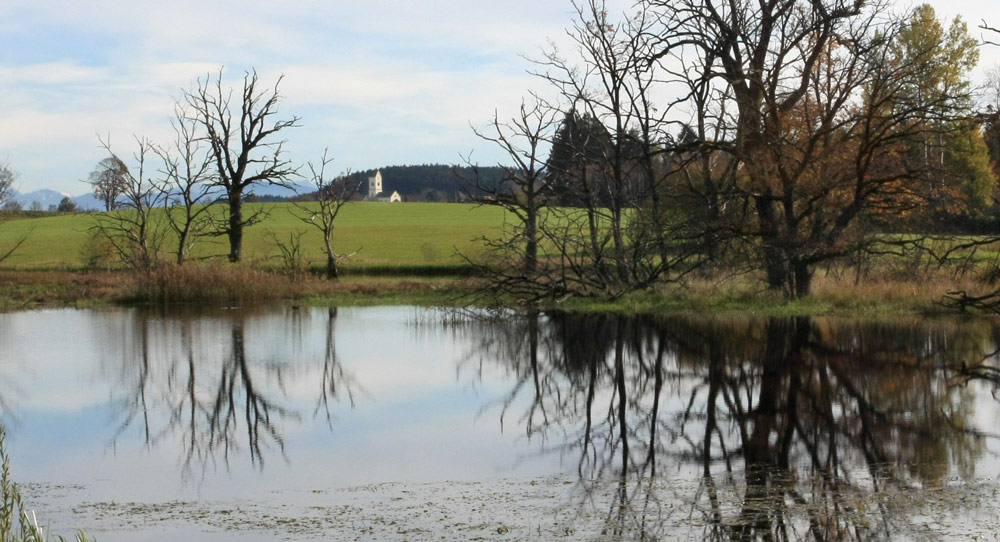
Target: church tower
375,184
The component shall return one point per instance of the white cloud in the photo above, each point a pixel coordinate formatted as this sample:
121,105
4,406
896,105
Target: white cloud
381,82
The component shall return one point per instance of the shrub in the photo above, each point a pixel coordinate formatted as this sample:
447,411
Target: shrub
96,251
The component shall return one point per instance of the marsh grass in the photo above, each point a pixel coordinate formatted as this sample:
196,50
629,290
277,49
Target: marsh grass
913,292
881,292
213,283
885,291
223,283
22,289
244,285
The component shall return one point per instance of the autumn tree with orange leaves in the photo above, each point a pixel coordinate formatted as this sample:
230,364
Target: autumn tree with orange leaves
782,135
822,118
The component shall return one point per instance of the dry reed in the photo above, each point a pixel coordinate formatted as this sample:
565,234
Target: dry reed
213,283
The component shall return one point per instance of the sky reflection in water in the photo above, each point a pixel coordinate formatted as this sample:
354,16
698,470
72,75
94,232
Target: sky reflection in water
792,428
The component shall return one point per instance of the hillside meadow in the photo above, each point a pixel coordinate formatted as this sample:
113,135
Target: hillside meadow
377,235
411,253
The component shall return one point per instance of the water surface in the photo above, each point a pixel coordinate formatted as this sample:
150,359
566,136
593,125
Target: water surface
403,423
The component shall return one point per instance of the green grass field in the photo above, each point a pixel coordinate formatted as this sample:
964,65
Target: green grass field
382,235
409,253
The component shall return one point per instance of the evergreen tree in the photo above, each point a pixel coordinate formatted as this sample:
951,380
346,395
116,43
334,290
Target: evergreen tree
580,150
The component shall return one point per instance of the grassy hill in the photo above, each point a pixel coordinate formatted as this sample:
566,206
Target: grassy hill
381,234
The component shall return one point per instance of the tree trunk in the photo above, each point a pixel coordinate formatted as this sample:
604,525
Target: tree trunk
774,257
235,225
531,240
331,266
331,257
182,241
592,223
803,278
619,240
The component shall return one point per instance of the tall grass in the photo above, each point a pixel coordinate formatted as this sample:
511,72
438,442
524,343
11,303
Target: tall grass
16,523
213,283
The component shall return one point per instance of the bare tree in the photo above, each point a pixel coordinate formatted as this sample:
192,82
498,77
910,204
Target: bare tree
244,140
133,230
187,169
332,193
992,29
108,180
609,156
514,267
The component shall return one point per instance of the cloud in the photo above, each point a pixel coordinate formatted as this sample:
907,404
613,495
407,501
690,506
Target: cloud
399,78
380,82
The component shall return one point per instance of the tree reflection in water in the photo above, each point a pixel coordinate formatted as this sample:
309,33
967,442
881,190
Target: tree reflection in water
220,400
335,382
796,428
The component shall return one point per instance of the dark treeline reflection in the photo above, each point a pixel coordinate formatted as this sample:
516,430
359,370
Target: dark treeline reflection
193,379
783,428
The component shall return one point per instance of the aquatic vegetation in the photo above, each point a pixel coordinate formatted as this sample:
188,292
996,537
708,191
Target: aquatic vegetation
16,523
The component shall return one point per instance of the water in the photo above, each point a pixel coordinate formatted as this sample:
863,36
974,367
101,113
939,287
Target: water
411,424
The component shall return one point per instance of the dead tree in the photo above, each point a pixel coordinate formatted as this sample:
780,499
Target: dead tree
514,266
614,168
245,143
134,231
991,29
187,171
332,193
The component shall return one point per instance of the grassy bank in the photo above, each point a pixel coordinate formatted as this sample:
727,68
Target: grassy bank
404,254
26,289
877,296
884,295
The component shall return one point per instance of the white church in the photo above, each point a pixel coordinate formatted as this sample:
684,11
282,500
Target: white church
375,192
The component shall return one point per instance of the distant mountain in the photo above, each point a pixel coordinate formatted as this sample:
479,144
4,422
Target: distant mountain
278,191
88,202
44,197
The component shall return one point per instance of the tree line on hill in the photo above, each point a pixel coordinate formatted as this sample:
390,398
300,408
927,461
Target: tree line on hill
430,182
418,183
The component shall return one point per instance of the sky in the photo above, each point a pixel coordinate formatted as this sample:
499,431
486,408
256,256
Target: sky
376,82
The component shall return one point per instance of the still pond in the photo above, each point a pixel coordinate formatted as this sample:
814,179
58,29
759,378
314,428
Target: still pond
400,423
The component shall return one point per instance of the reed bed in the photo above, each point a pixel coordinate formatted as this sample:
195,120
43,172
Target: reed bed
214,283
